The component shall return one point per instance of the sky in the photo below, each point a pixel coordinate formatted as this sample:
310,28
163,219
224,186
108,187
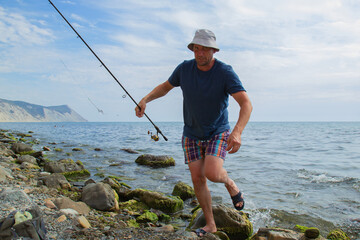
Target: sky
299,60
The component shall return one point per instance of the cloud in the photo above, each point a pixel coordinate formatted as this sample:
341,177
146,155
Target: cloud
16,29
285,52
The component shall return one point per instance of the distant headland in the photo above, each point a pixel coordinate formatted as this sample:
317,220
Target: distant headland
19,111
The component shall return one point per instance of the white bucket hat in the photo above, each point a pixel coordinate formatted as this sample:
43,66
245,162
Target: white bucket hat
204,38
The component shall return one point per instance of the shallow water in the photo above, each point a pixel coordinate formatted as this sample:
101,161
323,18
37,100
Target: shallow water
290,173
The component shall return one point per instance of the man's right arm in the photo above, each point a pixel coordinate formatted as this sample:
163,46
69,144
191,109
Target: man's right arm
159,91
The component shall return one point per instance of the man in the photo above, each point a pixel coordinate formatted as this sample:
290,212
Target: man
206,84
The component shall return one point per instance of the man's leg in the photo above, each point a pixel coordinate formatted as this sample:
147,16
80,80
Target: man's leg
202,193
215,172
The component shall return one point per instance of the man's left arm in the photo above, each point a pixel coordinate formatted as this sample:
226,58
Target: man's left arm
234,140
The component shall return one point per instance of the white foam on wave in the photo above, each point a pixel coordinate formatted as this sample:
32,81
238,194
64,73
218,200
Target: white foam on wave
315,177
261,218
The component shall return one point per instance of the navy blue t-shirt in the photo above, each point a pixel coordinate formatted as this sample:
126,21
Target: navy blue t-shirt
206,97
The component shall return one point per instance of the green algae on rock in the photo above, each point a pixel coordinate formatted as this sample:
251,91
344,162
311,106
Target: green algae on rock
183,190
167,204
147,216
155,161
77,175
337,234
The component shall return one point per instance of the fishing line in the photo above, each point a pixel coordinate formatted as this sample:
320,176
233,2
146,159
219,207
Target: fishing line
103,64
73,78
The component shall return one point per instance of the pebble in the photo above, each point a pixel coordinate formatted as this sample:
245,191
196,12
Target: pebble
61,218
83,222
49,204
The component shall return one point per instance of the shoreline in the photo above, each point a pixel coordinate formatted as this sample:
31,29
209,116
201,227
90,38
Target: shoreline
24,180
23,183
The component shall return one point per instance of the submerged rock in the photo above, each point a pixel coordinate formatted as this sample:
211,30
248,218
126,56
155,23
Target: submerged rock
155,161
128,150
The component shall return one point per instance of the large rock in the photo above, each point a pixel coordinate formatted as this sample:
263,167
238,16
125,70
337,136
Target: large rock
65,203
134,206
121,190
234,223
56,180
99,196
63,165
183,190
155,161
27,158
167,204
16,197
19,148
4,151
4,174
6,159
281,234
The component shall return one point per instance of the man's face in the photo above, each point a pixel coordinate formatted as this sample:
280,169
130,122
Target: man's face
203,55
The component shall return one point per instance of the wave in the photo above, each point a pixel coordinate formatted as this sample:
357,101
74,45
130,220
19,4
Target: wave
285,219
316,177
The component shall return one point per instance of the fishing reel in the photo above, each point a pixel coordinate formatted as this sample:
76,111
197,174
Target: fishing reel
154,137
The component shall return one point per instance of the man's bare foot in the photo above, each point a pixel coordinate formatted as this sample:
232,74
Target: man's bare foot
210,229
200,232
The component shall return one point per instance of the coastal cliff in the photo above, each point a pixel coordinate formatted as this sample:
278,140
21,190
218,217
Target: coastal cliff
18,111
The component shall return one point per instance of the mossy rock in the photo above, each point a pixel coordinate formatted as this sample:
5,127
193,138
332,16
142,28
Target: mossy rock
132,223
77,175
222,235
337,234
310,232
164,218
77,150
155,161
22,148
73,195
228,220
27,153
156,200
101,175
134,206
147,216
183,190
23,135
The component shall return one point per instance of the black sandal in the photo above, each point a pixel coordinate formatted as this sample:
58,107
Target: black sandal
200,231
238,199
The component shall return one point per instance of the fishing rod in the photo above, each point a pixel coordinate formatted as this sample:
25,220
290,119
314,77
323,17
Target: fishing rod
103,64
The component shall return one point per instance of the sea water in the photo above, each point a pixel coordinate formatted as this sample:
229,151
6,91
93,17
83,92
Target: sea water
305,173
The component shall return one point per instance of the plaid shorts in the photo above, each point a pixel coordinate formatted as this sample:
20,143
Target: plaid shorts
198,149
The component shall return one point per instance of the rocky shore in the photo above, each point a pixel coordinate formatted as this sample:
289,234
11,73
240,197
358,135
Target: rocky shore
45,199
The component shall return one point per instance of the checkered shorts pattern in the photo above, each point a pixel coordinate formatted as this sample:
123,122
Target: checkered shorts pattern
198,149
